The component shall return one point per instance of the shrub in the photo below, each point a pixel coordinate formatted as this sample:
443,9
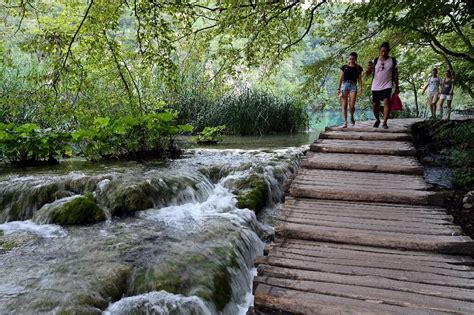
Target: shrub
28,144
211,135
130,137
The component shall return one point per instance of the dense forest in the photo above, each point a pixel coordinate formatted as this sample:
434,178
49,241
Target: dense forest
123,78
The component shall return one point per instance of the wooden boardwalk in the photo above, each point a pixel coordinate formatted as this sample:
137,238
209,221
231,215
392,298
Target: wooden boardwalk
362,233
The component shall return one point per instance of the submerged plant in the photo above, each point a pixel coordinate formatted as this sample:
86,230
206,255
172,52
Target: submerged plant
211,135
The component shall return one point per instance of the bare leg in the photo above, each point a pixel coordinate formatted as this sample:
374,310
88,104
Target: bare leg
432,107
386,110
352,101
345,94
376,110
448,102
441,101
435,100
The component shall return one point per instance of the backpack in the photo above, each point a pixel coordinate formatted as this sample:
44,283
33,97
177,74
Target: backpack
393,67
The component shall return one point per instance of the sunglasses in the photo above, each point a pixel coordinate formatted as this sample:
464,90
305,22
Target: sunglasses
383,66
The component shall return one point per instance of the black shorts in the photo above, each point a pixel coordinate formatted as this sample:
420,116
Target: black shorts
378,96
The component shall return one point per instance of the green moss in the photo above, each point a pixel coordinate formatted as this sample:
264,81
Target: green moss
8,245
80,210
253,193
131,198
202,274
215,173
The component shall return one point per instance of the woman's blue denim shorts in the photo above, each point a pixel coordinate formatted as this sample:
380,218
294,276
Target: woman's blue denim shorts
349,86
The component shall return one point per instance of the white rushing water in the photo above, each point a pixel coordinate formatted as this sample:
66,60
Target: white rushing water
188,250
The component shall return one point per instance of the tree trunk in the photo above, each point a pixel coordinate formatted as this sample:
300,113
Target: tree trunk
415,93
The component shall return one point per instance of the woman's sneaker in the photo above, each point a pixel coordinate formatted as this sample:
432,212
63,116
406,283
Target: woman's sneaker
353,122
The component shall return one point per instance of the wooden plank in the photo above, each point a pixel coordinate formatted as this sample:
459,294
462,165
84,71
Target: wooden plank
405,260
383,296
395,125
392,274
369,207
364,147
366,135
362,163
275,300
368,179
439,269
415,197
377,251
376,225
368,281
443,244
348,215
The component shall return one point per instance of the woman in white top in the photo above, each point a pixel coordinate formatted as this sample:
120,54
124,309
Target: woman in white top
433,92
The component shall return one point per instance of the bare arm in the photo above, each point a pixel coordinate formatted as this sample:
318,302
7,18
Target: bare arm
424,89
369,70
339,83
360,83
397,88
452,87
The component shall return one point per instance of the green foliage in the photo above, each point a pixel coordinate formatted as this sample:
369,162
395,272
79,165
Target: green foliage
28,144
464,177
211,135
130,137
255,113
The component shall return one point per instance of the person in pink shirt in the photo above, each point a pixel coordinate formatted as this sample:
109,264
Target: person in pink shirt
385,77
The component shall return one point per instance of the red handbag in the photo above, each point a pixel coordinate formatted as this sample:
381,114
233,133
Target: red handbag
395,102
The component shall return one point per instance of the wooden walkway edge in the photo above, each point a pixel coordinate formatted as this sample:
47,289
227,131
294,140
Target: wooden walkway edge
362,233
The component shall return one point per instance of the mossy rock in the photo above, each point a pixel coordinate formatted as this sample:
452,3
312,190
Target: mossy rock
205,275
80,210
215,173
127,199
252,193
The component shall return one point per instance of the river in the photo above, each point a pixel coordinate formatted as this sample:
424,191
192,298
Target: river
172,237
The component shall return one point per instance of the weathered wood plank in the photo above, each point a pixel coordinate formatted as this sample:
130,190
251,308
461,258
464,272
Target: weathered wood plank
349,215
282,300
375,251
364,147
374,225
395,125
362,163
368,281
443,244
393,274
383,296
400,259
365,135
415,197
369,207
380,263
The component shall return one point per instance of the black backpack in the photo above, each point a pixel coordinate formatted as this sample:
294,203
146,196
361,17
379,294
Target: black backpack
393,67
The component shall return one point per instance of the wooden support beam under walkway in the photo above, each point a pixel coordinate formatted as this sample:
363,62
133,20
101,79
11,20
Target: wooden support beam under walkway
363,233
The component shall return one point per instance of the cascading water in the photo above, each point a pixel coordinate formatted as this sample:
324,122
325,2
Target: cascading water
170,239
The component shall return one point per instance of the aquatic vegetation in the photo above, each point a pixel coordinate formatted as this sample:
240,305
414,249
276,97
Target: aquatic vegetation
211,135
